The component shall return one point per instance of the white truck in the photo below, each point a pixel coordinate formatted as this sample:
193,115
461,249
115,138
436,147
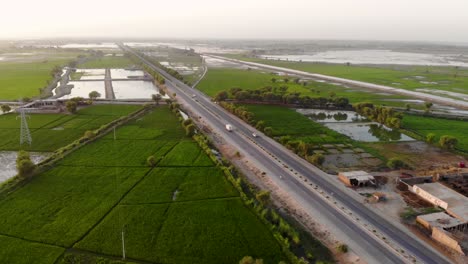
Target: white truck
229,127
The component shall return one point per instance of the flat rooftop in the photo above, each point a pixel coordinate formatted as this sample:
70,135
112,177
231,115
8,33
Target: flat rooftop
441,220
457,202
359,175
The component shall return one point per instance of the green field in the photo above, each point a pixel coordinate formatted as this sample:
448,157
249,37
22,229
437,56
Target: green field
407,77
52,131
219,79
287,122
107,62
182,211
14,250
424,125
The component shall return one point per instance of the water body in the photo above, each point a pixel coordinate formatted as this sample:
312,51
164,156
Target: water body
134,89
82,89
125,74
374,57
353,125
8,163
90,46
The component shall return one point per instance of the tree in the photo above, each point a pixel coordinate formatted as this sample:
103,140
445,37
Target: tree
396,163
408,107
156,98
263,197
151,161
89,134
187,122
250,260
316,159
343,248
94,95
430,138
260,125
5,108
24,165
71,106
221,96
268,131
190,130
273,80
162,92
286,80
448,142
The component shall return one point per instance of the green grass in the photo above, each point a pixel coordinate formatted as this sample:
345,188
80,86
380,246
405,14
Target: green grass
23,78
17,251
52,131
61,205
84,202
424,125
286,121
389,75
191,183
219,79
211,231
107,62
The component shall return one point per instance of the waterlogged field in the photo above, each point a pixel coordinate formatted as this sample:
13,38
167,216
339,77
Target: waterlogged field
52,131
220,79
285,121
407,77
182,211
23,76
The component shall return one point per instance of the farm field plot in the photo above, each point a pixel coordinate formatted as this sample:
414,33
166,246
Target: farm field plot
220,79
59,206
425,125
285,121
30,252
37,67
107,62
409,77
183,212
52,131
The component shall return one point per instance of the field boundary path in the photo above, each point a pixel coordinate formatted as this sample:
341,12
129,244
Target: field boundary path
108,85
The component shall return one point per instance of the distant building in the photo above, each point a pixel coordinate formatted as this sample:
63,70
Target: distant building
356,178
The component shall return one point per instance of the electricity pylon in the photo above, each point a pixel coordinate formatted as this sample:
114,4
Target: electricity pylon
25,136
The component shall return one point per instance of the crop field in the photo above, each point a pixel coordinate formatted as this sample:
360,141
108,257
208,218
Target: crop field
182,211
285,121
424,125
107,62
52,131
23,77
219,79
407,77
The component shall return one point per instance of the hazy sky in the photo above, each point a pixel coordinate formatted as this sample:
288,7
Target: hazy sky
436,20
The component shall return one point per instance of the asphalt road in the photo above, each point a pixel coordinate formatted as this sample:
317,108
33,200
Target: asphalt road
218,117
383,88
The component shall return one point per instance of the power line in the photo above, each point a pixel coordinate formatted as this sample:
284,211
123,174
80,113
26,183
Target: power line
25,136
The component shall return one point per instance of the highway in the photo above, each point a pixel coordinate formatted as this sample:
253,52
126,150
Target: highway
371,248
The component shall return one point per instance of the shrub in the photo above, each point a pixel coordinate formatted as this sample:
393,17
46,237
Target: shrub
396,163
71,106
151,161
448,142
24,165
190,130
263,197
343,248
316,159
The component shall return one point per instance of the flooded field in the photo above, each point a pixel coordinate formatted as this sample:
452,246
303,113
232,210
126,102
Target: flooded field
374,57
134,89
82,89
89,46
353,125
125,74
92,74
8,163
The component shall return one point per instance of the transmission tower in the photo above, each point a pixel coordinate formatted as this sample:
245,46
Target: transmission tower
25,133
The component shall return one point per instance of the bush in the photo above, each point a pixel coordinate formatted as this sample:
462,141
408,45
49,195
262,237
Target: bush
24,165
316,159
343,248
396,163
89,134
190,130
151,161
263,197
448,142
71,106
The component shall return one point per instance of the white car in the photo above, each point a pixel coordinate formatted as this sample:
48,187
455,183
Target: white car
254,135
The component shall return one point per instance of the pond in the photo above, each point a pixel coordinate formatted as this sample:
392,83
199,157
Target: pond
353,125
134,89
125,74
82,89
327,116
368,132
8,163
